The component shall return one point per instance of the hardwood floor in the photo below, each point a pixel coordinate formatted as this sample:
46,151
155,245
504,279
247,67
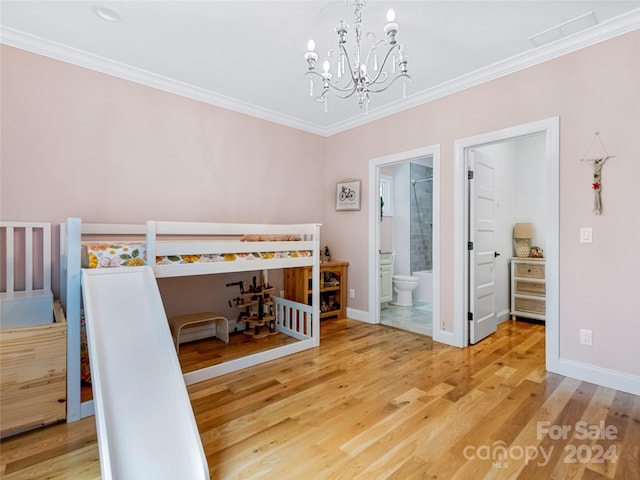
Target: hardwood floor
211,351
374,402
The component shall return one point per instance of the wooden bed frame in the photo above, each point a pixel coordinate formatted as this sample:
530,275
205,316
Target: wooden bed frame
184,238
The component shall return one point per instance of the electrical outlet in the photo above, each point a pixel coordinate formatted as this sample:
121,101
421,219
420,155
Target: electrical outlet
281,293
586,337
352,293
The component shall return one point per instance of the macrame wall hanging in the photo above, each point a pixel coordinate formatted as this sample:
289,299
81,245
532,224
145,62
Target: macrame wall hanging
597,163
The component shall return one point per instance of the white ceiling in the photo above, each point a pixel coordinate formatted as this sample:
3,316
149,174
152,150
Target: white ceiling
249,55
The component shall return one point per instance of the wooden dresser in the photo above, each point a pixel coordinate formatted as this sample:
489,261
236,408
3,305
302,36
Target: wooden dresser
333,287
528,288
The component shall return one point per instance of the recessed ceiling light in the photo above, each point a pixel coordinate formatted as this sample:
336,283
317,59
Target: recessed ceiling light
107,14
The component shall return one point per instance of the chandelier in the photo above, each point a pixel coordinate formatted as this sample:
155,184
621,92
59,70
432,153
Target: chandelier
359,75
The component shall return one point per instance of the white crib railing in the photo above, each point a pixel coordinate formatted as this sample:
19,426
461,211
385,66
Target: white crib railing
26,299
20,256
293,318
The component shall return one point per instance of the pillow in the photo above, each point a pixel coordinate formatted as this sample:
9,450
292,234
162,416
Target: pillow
104,255
254,237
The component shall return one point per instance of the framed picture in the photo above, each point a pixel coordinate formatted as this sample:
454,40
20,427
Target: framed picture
348,195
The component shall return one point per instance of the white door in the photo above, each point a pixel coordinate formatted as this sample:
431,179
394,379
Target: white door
482,232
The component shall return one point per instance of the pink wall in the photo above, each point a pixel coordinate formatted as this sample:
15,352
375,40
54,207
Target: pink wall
594,89
79,143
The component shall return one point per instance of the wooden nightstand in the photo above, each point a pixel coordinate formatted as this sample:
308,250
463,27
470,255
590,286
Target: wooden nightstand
528,288
333,287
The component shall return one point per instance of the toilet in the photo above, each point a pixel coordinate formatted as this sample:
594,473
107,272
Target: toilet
403,286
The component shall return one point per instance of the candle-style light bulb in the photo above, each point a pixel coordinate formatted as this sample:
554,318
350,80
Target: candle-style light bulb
391,15
326,66
311,45
391,28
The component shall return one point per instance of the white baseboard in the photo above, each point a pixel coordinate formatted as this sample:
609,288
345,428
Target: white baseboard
503,316
600,376
446,337
358,315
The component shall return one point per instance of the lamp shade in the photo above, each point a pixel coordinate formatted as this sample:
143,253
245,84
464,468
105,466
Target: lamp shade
523,230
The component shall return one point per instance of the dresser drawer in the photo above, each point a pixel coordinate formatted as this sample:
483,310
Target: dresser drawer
530,305
530,288
529,270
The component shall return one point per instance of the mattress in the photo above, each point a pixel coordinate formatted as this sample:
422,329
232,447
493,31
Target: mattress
26,309
105,255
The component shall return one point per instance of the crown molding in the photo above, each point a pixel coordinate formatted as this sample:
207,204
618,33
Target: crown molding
604,31
611,28
32,43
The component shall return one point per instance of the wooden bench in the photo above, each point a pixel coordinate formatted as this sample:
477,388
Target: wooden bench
177,323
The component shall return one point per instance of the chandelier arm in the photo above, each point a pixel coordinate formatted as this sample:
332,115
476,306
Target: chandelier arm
348,85
337,91
402,75
348,62
384,62
338,94
373,47
348,89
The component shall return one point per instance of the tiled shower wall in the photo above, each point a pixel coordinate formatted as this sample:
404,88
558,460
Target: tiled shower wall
421,218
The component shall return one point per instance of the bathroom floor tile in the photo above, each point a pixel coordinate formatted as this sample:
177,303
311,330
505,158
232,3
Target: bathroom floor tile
418,319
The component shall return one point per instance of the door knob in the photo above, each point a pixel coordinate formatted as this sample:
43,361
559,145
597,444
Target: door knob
496,254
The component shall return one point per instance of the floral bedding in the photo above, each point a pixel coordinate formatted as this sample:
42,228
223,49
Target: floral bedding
102,255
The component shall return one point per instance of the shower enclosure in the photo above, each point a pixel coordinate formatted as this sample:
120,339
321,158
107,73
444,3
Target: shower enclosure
421,218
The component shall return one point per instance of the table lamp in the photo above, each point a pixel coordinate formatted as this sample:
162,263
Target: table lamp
522,235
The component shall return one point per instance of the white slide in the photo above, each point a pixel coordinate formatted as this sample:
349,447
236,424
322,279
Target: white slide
145,424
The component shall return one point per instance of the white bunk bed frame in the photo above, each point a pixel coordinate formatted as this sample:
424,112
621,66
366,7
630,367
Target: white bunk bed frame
297,320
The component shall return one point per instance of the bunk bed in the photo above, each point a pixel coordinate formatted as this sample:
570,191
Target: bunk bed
175,249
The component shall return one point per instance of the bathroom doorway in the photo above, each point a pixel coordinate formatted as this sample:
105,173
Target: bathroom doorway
404,241
406,245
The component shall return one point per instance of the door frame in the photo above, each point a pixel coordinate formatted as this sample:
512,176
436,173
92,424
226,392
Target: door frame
375,164
551,128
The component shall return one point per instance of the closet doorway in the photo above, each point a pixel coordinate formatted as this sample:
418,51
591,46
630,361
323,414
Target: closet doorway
546,215
506,187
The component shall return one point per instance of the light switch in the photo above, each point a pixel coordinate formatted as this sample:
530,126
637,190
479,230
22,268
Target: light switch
586,235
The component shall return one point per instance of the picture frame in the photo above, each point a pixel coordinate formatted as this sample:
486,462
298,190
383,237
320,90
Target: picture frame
348,194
